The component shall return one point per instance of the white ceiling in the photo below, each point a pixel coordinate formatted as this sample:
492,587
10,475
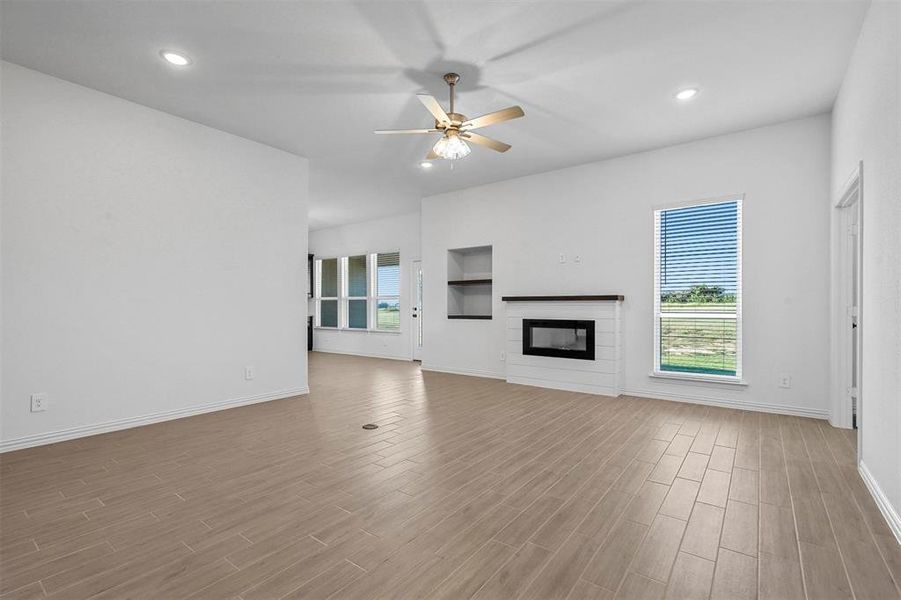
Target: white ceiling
596,79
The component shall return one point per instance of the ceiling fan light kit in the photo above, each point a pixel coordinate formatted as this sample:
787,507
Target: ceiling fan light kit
455,128
451,146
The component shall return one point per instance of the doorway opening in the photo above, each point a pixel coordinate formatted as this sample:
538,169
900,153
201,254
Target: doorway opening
849,318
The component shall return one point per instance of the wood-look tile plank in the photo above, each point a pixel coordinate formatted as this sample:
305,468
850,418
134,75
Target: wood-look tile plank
515,576
774,488
812,520
584,590
562,571
777,531
638,587
744,486
472,574
32,591
611,563
680,445
779,578
667,468
740,528
529,521
680,499
721,459
691,578
603,516
735,577
714,488
824,573
702,534
646,503
869,576
658,551
694,466
327,583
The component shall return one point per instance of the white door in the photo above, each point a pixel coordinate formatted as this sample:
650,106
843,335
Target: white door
416,302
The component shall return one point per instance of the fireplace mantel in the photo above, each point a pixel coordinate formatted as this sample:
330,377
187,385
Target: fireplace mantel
575,298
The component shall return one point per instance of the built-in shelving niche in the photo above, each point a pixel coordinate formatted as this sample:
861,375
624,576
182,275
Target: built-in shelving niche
469,283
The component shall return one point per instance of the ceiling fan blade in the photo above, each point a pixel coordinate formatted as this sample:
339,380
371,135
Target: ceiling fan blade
481,140
397,131
513,112
432,105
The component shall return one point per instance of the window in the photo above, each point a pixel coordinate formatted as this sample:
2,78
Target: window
387,294
359,292
697,295
327,292
356,292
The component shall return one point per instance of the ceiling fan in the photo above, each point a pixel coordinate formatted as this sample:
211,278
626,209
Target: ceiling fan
456,129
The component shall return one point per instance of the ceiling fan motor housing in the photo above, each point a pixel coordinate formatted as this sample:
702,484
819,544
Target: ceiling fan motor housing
456,121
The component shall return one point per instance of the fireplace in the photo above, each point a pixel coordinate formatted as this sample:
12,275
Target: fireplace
561,338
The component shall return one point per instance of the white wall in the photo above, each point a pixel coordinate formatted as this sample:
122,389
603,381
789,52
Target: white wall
146,261
867,127
604,212
399,233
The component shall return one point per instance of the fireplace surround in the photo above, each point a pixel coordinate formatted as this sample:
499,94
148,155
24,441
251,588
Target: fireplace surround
532,355
560,338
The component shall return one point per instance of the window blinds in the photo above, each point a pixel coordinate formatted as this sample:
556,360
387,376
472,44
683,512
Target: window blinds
698,271
388,290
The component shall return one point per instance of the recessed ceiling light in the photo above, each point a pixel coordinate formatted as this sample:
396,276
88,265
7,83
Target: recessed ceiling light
687,94
179,60
425,165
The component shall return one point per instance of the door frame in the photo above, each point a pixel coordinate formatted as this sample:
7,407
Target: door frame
415,308
849,207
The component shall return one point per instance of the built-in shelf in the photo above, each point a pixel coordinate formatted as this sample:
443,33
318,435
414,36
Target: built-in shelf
470,282
574,298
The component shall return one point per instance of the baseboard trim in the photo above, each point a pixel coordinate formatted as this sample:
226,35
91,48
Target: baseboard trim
467,372
364,354
52,437
885,507
779,409
582,388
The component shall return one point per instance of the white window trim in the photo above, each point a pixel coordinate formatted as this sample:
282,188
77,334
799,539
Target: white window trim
374,286
317,294
343,298
346,298
736,379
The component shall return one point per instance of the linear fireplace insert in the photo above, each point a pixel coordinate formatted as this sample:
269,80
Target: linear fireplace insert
562,338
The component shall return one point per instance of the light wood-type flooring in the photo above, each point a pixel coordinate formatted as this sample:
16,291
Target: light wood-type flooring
469,488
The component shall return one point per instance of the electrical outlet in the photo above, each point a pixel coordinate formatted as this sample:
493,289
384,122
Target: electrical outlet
785,380
503,356
562,258
249,373
38,402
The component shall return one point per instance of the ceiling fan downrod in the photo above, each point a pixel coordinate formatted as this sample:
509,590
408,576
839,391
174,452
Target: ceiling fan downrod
451,79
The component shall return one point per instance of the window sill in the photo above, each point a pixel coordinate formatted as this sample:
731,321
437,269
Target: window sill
689,377
358,330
